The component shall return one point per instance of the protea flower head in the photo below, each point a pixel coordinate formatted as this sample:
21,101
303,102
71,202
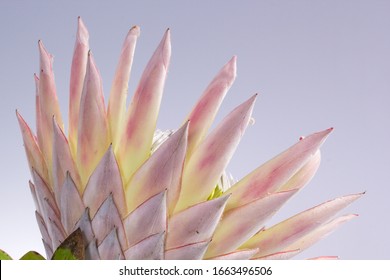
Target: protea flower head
113,187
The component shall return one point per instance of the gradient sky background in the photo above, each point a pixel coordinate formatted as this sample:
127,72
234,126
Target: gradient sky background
316,64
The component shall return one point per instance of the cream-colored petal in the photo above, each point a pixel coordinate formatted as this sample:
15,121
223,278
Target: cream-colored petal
62,162
77,75
35,157
205,110
320,233
241,223
140,122
287,232
304,175
163,170
204,168
117,102
93,132
48,104
273,174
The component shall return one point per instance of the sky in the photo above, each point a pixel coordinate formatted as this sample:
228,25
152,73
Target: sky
315,65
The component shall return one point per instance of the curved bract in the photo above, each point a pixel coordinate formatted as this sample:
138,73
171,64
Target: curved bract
117,190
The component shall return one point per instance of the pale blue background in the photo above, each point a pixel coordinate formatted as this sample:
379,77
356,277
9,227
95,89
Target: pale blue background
315,64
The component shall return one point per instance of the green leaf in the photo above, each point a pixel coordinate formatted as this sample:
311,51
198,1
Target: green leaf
4,255
32,256
72,248
63,254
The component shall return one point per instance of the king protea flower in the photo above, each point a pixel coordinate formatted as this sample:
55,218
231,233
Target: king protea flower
114,188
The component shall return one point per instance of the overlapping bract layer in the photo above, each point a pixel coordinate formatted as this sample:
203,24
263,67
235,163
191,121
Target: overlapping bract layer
132,200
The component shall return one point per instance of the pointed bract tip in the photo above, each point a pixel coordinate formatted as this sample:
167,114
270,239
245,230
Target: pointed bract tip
91,61
167,37
82,32
352,197
244,109
21,121
325,132
164,50
252,99
231,67
182,132
187,123
45,58
329,130
135,30
41,47
320,136
233,61
20,118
